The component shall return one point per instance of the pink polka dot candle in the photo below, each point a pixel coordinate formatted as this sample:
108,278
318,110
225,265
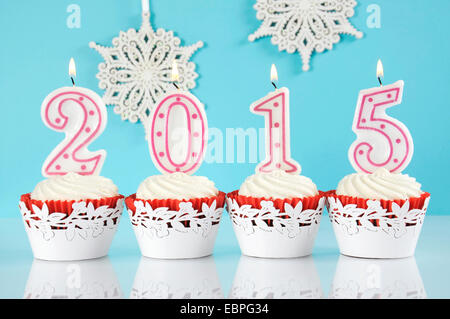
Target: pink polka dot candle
382,141
81,115
275,109
178,131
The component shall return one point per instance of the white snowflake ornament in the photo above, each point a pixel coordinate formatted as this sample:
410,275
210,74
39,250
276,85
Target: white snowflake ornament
138,66
304,25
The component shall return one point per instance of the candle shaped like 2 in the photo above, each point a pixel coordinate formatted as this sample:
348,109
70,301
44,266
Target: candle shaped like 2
382,141
81,114
275,109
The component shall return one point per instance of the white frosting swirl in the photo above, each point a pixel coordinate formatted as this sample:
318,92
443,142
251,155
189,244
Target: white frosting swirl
73,186
176,186
278,184
381,184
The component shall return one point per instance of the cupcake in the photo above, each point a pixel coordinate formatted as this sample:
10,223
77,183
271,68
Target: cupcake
176,215
72,216
377,215
276,214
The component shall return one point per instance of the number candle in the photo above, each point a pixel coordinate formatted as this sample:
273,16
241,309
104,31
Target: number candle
178,131
81,114
275,109
382,141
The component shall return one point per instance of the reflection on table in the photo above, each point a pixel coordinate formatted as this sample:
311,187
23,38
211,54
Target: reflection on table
377,279
90,279
176,279
295,278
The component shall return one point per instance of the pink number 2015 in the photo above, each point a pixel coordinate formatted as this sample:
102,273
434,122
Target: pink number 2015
81,115
178,133
382,141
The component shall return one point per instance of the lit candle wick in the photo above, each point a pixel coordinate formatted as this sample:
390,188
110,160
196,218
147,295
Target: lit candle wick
175,76
380,71
72,70
273,75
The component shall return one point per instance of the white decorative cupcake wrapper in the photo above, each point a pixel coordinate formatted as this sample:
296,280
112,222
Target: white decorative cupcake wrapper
375,232
85,222
290,223
175,234
159,222
353,219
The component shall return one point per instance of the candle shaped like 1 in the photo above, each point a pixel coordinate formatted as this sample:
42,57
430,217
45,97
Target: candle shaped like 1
178,131
81,114
382,141
275,109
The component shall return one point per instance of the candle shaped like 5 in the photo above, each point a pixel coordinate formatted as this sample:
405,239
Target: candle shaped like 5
275,109
382,141
178,132
81,114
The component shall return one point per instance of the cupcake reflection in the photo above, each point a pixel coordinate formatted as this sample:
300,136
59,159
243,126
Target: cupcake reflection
176,279
261,278
358,278
87,279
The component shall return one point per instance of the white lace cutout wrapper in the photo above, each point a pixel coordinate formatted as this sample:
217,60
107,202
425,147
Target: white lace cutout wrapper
379,185
84,234
175,234
176,186
73,186
278,184
286,237
394,235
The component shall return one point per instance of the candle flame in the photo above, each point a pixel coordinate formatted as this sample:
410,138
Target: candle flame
273,73
175,74
380,71
72,68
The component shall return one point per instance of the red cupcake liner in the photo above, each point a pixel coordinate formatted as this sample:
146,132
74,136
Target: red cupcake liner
414,202
174,204
65,206
310,202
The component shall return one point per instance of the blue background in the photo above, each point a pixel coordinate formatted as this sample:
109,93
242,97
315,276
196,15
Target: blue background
412,43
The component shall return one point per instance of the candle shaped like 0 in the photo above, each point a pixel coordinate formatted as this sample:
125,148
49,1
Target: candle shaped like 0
382,141
81,114
275,109
178,131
